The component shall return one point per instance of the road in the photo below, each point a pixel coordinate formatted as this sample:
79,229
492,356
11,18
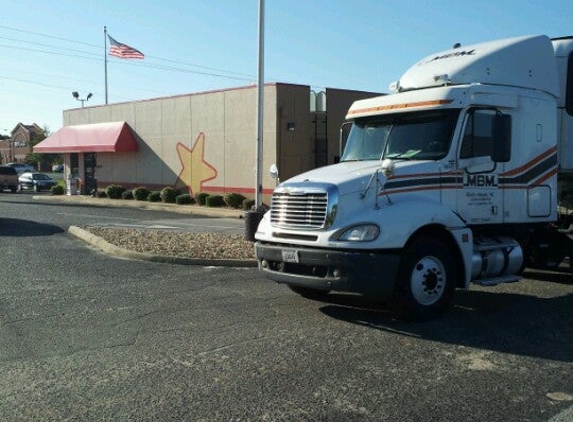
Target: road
86,336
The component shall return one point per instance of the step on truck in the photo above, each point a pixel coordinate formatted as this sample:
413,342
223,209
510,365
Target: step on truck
461,175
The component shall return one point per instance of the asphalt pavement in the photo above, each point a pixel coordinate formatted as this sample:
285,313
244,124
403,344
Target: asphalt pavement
85,336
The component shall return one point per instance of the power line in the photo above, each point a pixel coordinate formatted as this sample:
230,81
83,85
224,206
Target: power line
176,69
218,74
145,65
68,89
48,45
47,36
48,52
202,67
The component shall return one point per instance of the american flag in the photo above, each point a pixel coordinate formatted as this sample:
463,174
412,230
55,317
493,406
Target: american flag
123,51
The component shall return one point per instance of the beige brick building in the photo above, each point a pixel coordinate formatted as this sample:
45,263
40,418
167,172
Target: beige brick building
202,142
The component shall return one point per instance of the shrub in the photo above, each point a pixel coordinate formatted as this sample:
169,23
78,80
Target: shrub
200,198
184,199
57,190
154,196
114,191
234,200
213,201
101,194
127,194
141,193
168,195
248,204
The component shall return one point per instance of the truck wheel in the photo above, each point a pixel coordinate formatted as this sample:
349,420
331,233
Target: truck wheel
425,284
308,292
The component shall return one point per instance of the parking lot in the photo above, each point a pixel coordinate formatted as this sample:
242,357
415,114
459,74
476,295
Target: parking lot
86,336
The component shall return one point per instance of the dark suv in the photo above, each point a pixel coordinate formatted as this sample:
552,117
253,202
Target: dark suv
8,179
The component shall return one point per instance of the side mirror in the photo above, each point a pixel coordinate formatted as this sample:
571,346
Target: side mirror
501,138
274,172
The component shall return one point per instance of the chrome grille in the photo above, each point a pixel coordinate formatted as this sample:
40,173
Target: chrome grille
299,209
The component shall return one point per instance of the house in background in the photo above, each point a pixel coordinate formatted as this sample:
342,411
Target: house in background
21,137
18,146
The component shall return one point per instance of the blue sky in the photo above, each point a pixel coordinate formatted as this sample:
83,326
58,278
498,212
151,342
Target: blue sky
51,48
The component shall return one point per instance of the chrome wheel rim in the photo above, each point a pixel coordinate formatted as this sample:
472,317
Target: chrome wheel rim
428,280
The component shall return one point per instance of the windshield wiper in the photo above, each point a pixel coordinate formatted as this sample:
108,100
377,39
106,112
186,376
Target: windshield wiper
401,156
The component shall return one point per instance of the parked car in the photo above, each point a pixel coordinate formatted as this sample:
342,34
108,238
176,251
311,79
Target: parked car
58,168
36,181
21,167
8,179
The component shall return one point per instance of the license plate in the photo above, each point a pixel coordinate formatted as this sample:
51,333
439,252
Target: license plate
290,255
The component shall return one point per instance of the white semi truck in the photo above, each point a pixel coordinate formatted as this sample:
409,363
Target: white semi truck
457,176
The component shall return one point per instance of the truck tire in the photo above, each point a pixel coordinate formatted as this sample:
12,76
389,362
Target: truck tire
425,284
308,292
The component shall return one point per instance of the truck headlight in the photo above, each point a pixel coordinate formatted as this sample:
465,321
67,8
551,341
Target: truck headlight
362,233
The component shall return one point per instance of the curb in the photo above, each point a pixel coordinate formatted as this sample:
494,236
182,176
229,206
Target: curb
116,251
156,206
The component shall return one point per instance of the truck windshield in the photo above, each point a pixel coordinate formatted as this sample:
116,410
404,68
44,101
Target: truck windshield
424,135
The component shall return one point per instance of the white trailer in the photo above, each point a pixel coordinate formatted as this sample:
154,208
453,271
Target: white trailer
456,177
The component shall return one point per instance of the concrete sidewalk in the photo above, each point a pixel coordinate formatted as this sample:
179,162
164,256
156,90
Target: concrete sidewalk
132,203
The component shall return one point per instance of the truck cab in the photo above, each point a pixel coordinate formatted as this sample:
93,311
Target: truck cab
449,180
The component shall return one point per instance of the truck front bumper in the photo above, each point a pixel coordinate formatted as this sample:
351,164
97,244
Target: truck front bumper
372,273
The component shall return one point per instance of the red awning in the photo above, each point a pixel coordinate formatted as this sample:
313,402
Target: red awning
98,137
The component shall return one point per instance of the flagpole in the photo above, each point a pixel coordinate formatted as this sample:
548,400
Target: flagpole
105,59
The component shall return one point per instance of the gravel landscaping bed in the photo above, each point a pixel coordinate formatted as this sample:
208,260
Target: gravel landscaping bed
176,243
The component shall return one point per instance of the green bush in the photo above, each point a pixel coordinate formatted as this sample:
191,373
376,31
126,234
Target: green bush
57,190
248,204
168,195
127,195
114,191
101,194
141,193
234,200
213,201
154,196
200,198
184,199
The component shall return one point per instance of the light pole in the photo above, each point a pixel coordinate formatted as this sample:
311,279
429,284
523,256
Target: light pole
253,217
77,97
260,107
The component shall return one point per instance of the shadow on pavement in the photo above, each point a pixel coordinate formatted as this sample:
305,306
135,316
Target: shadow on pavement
560,276
501,322
53,204
24,228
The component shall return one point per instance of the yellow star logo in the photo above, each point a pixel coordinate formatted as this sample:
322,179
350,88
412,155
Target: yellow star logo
196,170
